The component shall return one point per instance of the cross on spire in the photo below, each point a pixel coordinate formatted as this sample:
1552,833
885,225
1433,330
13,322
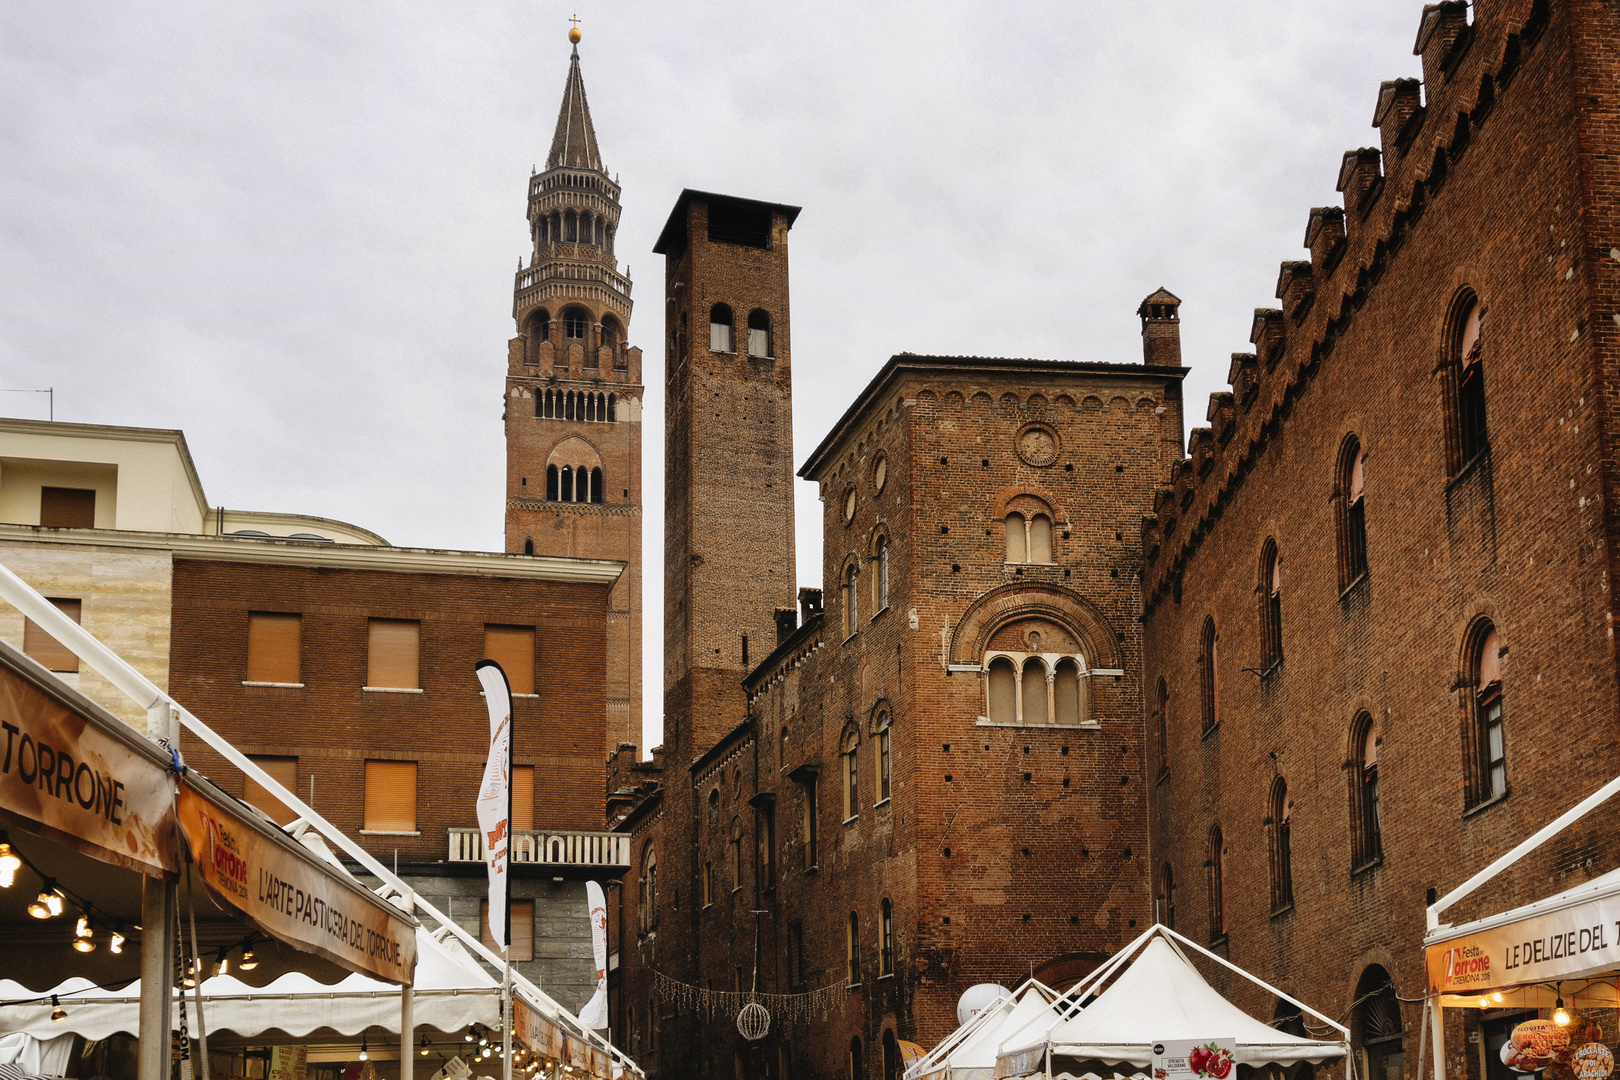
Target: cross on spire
575,20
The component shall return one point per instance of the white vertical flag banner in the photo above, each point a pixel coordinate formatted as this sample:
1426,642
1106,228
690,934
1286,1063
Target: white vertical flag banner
495,794
595,1012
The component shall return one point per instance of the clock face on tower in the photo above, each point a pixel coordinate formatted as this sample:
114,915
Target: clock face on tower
1037,445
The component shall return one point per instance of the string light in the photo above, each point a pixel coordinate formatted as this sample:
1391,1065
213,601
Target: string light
82,939
9,863
1560,1017
470,1032
248,962
115,944
225,964
363,1048
191,975
41,907
58,1014
424,1046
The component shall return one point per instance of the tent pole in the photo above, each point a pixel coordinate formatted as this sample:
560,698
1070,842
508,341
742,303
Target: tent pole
506,1013
197,985
407,1014
1438,1020
1423,1033
157,977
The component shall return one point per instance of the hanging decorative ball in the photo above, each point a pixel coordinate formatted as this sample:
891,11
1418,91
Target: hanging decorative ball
754,1021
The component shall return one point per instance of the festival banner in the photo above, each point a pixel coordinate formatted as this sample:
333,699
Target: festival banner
595,1012
1581,939
84,782
495,794
285,891
1191,1059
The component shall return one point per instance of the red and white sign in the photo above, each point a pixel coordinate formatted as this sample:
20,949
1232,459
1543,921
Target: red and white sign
1182,1059
495,794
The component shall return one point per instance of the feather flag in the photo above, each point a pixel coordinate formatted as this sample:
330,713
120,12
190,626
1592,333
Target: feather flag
495,795
595,1012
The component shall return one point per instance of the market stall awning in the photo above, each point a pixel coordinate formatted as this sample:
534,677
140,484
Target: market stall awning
1158,998
1571,936
970,1052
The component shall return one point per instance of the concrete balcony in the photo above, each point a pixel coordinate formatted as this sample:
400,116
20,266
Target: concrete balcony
552,849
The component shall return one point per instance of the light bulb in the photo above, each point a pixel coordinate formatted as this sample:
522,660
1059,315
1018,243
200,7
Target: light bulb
83,927
54,901
191,975
248,963
469,1034
39,909
116,942
58,1013
424,1046
9,865
1560,1017
362,1048
1497,996
82,941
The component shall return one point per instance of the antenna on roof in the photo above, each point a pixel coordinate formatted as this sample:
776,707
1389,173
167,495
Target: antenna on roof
50,391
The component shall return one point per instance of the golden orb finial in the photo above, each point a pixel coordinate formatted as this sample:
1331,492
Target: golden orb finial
574,34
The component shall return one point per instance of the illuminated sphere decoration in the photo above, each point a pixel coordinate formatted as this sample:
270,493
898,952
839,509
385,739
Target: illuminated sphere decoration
754,1021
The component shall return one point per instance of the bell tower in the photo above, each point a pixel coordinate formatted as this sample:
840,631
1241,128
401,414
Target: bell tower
574,393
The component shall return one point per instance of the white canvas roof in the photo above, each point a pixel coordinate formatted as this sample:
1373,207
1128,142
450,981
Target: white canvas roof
969,1053
1159,996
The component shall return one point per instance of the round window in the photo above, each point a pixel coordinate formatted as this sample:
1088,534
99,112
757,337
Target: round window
880,473
849,506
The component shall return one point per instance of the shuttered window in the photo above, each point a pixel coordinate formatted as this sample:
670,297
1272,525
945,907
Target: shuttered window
67,508
522,935
51,653
512,647
273,647
394,652
284,771
391,796
522,797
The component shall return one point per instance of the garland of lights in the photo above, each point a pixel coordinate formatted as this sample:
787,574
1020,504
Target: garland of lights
792,1008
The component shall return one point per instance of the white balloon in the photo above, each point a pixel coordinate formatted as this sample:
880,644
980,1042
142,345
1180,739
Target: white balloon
975,999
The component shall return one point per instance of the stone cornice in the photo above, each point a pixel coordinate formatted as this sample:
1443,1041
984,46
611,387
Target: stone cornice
606,509
305,553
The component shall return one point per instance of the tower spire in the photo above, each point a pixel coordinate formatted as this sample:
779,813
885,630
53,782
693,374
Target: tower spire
574,144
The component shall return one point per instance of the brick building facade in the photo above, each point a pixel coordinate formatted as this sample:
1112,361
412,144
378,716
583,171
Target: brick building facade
574,394
937,780
1379,644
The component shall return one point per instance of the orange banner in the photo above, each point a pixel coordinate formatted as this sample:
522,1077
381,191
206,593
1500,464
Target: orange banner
90,784
284,890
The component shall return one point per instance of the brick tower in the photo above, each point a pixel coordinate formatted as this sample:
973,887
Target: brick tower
573,392
728,536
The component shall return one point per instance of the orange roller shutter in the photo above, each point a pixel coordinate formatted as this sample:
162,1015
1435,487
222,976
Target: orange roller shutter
522,797
390,796
512,647
273,647
39,644
394,653
522,935
283,770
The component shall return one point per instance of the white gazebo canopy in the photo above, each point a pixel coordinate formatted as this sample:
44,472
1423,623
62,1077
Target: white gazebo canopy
1159,997
969,1053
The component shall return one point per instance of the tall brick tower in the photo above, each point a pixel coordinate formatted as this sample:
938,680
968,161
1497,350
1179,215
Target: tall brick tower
574,394
728,458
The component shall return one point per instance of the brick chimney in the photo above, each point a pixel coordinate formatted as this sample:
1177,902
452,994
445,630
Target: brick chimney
787,621
809,603
1161,329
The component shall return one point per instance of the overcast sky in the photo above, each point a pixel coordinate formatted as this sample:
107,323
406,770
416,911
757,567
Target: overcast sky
289,228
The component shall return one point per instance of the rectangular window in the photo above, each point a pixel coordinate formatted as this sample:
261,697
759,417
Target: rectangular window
708,883
284,771
67,508
795,957
759,342
394,653
49,652
810,826
1495,755
886,939
521,934
390,796
853,941
522,798
273,647
512,647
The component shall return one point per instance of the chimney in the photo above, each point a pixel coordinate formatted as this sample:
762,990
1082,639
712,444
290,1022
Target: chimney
1398,101
809,603
1161,329
787,621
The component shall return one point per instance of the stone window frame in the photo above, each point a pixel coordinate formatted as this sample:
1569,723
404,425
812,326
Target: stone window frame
1051,662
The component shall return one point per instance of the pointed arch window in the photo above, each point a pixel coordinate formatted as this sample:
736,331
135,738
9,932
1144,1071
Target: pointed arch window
1352,512
885,938
1468,365
1270,588
1367,845
1282,858
1209,686
880,575
1161,716
851,598
853,948
1481,685
1216,873
1375,1026
848,758
720,324
882,737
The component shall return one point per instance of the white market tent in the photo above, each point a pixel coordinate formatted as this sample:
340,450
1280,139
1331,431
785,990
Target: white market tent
1159,997
969,1053
451,992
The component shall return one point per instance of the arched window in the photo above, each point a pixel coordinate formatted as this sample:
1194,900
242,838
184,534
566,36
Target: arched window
552,489
1017,539
612,333
851,770
538,328
1375,1026
853,941
1271,652
570,227
1282,859
883,722
567,480
720,329
1034,692
596,485
1216,867
1040,539
1167,896
1003,682
1068,693
1367,846
1482,703
851,600
1209,685
528,546
1466,370
880,574
1161,717
556,227
652,1024
649,884
857,1059
892,1066
1351,511
576,322
885,938
759,333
